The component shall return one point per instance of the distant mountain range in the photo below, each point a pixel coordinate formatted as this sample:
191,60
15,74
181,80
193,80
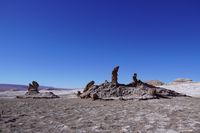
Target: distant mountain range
15,87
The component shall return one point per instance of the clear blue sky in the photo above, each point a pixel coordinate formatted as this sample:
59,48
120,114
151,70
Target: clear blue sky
66,43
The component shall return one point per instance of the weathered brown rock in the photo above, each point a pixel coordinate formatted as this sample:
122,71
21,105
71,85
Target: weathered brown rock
135,81
95,96
115,76
33,88
88,93
85,94
88,86
78,93
152,91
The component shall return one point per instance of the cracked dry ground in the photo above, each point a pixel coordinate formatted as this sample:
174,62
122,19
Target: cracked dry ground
180,114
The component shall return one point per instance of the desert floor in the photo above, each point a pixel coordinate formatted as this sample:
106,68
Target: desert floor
68,114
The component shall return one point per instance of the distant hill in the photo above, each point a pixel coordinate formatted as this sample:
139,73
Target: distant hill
15,87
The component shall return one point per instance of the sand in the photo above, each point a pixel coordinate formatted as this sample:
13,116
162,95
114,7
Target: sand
13,94
191,89
69,114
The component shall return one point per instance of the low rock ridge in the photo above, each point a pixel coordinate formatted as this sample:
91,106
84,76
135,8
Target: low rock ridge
155,82
181,81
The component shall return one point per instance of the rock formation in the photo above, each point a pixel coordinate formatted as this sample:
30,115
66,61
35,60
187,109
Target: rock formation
155,82
115,76
94,96
135,90
33,88
88,93
135,81
152,91
88,86
78,93
34,93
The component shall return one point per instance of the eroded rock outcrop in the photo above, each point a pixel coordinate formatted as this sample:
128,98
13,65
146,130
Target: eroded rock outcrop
135,81
135,90
115,76
33,88
34,93
88,86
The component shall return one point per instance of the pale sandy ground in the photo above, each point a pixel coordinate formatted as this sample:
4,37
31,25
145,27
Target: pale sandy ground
68,114
13,94
191,89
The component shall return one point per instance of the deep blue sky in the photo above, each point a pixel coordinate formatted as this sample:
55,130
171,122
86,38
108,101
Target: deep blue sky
66,43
